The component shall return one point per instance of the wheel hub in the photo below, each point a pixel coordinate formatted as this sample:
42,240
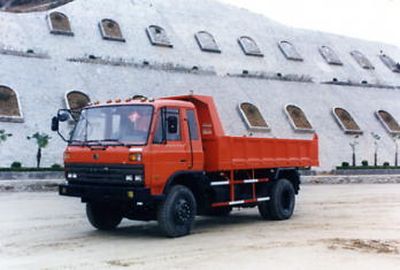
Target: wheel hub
286,200
183,211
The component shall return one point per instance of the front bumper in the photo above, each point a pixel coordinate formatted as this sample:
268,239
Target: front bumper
107,193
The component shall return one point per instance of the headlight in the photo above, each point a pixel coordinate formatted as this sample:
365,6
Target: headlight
138,178
72,175
135,157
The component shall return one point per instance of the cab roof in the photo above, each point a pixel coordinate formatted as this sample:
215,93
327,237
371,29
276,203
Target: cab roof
160,102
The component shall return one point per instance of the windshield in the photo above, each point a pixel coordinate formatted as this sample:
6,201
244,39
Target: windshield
125,125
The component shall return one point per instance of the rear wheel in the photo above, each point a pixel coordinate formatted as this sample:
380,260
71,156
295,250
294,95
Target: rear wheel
177,213
103,216
281,203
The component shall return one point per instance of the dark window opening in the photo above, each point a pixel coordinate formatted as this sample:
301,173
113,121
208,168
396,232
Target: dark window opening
390,63
346,121
389,122
207,42
330,56
110,30
249,46
9,104
59,24
298,118
252,116
289,51
362,60
76,101
158,36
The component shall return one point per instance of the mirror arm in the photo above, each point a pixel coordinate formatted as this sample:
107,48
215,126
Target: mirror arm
58,121
62,137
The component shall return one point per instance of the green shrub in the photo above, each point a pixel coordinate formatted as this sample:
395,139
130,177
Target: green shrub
386,164
345,164
364,163
16,165
56,166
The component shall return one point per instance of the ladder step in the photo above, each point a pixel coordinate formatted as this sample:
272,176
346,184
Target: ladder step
231,203
220,183
246,181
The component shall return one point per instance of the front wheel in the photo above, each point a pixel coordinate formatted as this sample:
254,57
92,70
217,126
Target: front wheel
281,203
177,213
103,216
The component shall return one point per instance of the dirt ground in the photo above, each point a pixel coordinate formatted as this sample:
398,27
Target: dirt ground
334,227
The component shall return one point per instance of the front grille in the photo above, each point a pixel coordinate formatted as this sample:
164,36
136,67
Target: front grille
107,174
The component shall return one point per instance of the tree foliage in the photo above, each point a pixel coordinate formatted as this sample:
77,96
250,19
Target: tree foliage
42,139
4,135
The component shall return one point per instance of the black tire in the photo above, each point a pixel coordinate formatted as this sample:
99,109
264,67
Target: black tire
177,213
103,216
282,201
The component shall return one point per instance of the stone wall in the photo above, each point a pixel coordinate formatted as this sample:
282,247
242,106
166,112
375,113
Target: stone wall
42,67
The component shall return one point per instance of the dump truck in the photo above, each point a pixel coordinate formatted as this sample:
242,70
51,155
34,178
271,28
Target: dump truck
169,159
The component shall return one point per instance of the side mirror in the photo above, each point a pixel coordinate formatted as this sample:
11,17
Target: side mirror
54,124
63,115
172,122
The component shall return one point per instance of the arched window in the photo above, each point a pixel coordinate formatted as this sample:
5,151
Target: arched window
9,105
362,60
390,63
158,36
330,56
252,116
289,51
76,100
59,24
207,42
388,121
110,30
249,46
298,119
346,121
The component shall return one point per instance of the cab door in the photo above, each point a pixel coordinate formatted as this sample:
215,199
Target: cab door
169,150
194,144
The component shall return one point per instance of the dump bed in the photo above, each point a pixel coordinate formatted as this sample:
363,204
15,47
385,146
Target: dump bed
223,152
234,153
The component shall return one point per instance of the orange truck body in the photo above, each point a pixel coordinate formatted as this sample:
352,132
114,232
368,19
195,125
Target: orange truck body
204,165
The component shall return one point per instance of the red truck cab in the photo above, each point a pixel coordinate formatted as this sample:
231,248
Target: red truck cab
169,160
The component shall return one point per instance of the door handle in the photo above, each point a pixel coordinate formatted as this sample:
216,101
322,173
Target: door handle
183,160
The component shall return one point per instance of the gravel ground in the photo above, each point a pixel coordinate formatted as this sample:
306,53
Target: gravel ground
334,227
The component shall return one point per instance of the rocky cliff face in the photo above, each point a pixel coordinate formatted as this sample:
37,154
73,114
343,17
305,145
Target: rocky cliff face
30,5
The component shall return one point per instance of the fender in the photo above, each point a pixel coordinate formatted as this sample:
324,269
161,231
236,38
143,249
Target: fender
292,174
183,175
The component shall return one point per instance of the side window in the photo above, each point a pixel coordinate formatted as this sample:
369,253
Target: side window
194,129
168,126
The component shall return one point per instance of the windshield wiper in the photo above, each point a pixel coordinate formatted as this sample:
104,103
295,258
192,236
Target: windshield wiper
93,143
115,142
77,142
105,142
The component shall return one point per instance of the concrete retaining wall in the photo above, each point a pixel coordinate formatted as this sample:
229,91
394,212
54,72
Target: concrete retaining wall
42,81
